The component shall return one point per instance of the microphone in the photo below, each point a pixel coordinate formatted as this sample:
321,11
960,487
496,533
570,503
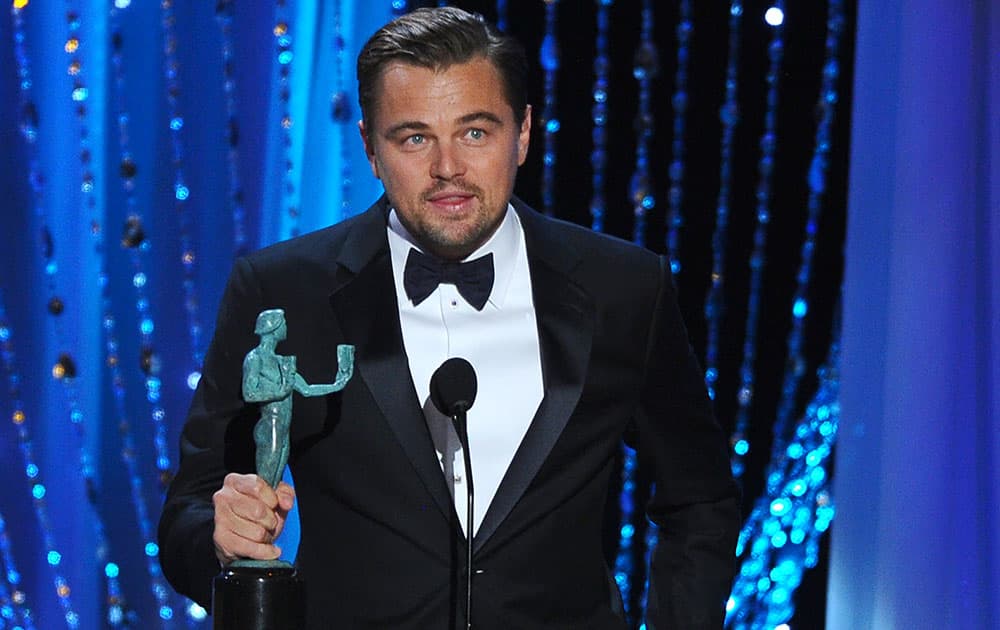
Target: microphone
453,390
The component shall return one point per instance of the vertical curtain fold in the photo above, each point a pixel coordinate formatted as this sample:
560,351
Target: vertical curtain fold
918,464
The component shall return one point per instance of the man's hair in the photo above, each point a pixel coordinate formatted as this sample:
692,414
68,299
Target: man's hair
438,38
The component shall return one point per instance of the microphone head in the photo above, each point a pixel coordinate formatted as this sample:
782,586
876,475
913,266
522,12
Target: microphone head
453,386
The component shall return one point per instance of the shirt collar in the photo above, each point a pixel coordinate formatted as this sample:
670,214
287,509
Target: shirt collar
504,244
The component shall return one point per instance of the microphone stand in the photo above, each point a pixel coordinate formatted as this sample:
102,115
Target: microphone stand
461,427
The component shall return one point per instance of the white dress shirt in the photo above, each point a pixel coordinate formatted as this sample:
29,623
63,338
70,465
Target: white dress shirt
501,343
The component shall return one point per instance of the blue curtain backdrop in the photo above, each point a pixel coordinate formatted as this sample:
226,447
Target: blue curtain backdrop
145,144
918,462
50,202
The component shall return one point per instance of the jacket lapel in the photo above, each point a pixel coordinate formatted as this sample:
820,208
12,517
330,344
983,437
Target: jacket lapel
565,317
364,302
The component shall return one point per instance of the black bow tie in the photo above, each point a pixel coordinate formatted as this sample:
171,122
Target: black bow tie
473,279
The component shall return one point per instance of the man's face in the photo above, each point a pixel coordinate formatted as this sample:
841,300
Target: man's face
446,147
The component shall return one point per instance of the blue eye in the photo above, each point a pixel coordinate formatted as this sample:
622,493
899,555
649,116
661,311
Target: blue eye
415,139
477,134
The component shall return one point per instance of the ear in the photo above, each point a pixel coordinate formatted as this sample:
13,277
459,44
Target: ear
369,148
524,136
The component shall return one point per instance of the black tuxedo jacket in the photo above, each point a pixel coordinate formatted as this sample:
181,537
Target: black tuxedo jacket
380,542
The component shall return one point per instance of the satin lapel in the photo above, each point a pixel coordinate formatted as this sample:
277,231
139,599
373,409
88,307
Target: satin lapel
364,303
565,328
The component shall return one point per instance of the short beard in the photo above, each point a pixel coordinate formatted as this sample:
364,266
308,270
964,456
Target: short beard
446,244
439,240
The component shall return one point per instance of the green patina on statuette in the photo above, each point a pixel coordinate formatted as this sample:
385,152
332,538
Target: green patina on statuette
269,379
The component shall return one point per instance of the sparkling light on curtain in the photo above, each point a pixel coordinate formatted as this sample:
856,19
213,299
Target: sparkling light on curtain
144,145
120,219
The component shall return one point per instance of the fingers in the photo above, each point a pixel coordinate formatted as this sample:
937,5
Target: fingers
286,496
249,515
286,499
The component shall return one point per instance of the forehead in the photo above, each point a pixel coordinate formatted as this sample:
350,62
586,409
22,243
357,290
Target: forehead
409,91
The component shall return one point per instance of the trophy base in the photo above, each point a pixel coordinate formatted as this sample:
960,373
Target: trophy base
258,598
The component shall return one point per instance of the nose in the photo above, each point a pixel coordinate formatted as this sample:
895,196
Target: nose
447,162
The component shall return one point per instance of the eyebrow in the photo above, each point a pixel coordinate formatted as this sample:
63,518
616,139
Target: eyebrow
406,125
417,126
480,116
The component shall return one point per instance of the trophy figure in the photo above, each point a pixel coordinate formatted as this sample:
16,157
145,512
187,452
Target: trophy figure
268,594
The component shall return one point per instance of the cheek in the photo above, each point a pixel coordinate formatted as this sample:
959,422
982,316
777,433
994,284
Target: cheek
404,177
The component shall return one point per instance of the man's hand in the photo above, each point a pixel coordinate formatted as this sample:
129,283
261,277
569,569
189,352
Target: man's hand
249,516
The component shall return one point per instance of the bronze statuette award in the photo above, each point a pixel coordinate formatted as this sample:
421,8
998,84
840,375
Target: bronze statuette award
268,594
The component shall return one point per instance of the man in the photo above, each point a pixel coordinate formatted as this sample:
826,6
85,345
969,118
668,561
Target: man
576,342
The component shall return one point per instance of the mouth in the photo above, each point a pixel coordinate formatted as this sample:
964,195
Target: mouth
451,200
